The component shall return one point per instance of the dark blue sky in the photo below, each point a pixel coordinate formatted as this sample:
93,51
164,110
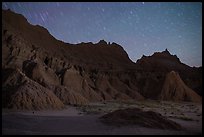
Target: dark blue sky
140,27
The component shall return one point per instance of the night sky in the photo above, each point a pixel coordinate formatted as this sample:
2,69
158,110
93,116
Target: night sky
140,27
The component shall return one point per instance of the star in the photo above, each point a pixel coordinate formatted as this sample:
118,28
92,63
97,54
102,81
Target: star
61,13
129,24
58,4
42,17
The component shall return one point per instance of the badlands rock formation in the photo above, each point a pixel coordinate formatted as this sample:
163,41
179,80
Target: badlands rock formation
175,89
79,73
161,63
20,92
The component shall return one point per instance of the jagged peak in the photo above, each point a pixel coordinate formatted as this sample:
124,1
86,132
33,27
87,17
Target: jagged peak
163,53
90,43
143,56
113,43
166,51
8,9
102,42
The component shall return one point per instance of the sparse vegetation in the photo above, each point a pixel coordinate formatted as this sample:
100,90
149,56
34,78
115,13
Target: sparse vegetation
183,118
172,111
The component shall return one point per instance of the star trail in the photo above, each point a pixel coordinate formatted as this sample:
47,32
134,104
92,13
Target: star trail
140,27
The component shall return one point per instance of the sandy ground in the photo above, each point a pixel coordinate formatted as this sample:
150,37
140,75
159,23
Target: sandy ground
84,120
68,111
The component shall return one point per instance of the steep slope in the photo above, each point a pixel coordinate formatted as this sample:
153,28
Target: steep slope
175,89
37,43
71,72
20,92
162,61
159,64
68,96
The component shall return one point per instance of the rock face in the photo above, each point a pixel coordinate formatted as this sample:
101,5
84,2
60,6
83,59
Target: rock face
162,61
40,73
32,96
20,92
68,96
84,72
72,72
154,69
135,116
175,89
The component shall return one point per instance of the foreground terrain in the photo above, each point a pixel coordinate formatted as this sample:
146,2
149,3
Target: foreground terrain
85,120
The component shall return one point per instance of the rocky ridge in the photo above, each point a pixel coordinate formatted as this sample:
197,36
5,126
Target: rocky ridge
81,73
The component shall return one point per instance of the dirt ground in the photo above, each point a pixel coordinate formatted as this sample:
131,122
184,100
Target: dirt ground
84,120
